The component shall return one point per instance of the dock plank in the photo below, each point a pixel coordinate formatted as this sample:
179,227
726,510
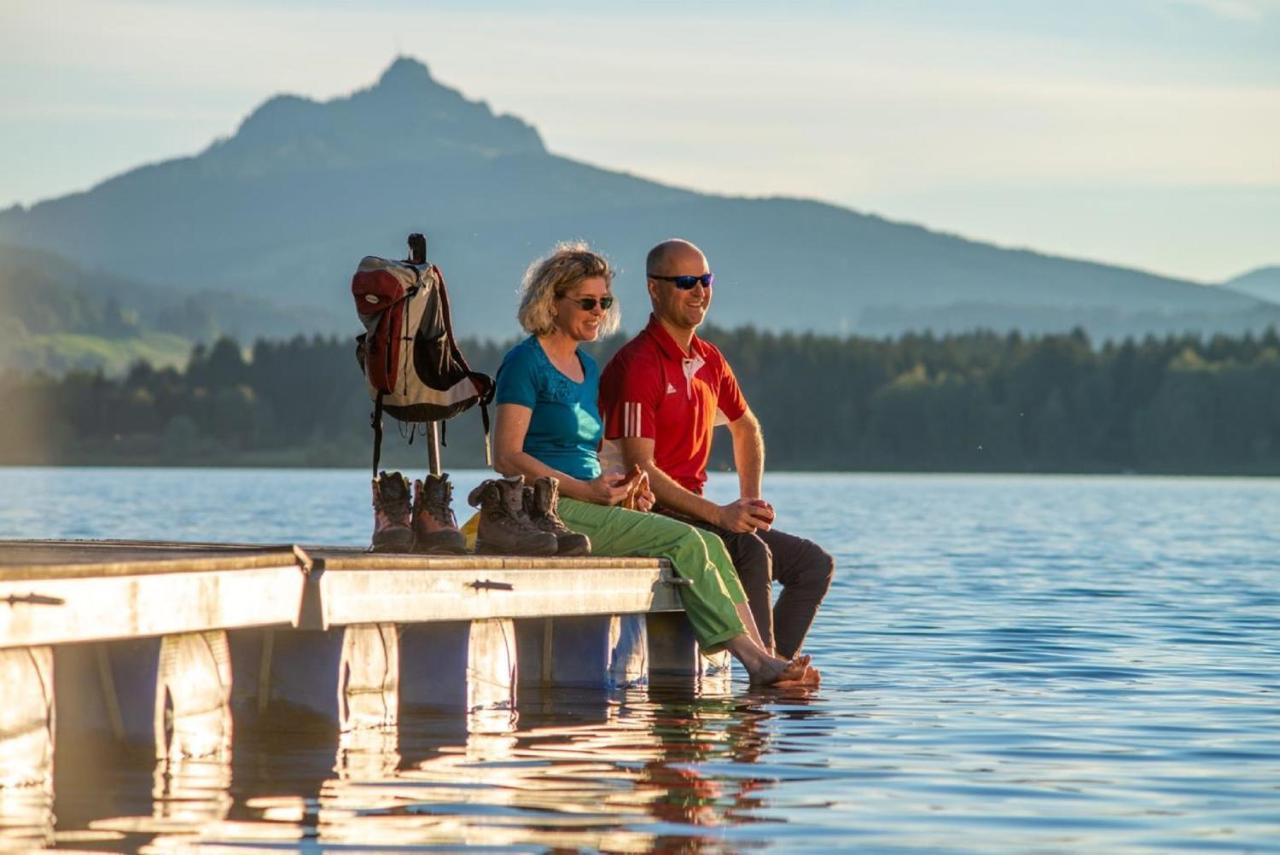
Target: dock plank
54,592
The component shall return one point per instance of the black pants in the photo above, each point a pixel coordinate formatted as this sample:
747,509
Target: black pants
802,567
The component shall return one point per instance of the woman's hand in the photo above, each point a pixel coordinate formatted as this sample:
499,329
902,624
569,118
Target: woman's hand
606,490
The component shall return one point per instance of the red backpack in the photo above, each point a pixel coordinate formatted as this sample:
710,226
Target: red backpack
411,362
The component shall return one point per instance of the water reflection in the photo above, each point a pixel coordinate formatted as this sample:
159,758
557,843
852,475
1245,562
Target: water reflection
26,817
600,771
189,798
1010,665
628,771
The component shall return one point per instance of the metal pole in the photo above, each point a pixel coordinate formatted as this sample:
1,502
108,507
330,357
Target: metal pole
433,448
418,255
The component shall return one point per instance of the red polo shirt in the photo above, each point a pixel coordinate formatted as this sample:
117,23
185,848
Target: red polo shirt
653,389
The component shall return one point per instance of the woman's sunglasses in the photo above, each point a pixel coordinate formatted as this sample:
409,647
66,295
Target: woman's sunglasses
687,283
588,304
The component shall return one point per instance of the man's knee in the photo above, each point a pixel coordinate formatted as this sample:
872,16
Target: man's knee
819,570
824,570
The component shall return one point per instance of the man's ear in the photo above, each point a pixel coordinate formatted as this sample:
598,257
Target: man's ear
653,290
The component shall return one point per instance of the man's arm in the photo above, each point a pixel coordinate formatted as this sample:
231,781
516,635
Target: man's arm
748,454
735,516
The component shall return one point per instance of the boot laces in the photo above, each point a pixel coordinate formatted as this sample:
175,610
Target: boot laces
438,500
540,509
389,497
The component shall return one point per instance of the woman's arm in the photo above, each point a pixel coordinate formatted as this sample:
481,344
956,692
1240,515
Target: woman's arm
510,458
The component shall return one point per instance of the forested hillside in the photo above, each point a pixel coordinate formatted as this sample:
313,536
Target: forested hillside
976,402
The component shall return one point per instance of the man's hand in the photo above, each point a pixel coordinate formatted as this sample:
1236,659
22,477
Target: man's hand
645,500
639,495
745,515
607,489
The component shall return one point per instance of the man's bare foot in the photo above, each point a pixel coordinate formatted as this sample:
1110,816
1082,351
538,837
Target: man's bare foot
802,659
794,673
797,675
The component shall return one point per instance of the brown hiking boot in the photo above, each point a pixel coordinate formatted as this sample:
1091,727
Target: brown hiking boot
392,525
540,502
435,529
504,528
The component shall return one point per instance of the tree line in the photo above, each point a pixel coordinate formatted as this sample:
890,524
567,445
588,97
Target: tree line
973,402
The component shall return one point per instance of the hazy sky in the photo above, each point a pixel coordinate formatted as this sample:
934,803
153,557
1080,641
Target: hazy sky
1141,132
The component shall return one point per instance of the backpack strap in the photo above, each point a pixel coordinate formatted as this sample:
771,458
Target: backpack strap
376,424
485,385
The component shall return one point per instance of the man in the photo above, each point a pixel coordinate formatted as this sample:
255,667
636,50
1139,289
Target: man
661,395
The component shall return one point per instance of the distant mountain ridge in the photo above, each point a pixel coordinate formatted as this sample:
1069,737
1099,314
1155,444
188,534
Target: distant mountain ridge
283,210
56,315
1262,283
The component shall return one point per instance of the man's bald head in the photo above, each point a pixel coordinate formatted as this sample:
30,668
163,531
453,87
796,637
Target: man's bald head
663,257
678,308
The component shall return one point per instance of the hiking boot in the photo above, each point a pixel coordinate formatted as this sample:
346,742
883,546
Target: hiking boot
392,521
505,529
540,502
435,529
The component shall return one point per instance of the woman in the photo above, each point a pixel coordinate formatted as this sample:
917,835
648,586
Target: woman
548,424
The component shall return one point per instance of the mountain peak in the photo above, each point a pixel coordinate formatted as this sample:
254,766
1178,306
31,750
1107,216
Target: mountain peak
406,116
406,73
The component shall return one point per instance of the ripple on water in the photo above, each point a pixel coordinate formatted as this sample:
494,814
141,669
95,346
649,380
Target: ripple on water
1011,664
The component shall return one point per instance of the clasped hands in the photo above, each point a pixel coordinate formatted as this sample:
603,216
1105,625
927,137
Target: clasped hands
629,489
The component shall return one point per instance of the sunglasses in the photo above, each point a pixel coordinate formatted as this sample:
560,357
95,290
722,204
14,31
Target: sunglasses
687,283
588,304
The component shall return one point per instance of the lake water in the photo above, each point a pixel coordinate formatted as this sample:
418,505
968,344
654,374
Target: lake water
1011,664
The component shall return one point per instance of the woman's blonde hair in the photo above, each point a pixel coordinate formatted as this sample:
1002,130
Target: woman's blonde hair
553,276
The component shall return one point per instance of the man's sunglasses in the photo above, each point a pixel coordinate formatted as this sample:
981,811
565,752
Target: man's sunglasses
588,304
687,283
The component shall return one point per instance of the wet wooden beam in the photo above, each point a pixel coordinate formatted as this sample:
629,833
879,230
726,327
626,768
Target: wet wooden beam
356,587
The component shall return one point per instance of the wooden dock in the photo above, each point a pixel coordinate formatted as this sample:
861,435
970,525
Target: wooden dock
179,644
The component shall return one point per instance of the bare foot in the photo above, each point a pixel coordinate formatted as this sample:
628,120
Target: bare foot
802,660
794,673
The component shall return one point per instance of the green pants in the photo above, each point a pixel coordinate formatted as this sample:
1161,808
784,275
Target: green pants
696,555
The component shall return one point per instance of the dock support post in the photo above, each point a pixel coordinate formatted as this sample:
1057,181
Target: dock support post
172,692
346,676
587,651
459,665
675,656
193,696
26,718
369,687
673,649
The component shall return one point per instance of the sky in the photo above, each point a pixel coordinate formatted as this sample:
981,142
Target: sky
1137,132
